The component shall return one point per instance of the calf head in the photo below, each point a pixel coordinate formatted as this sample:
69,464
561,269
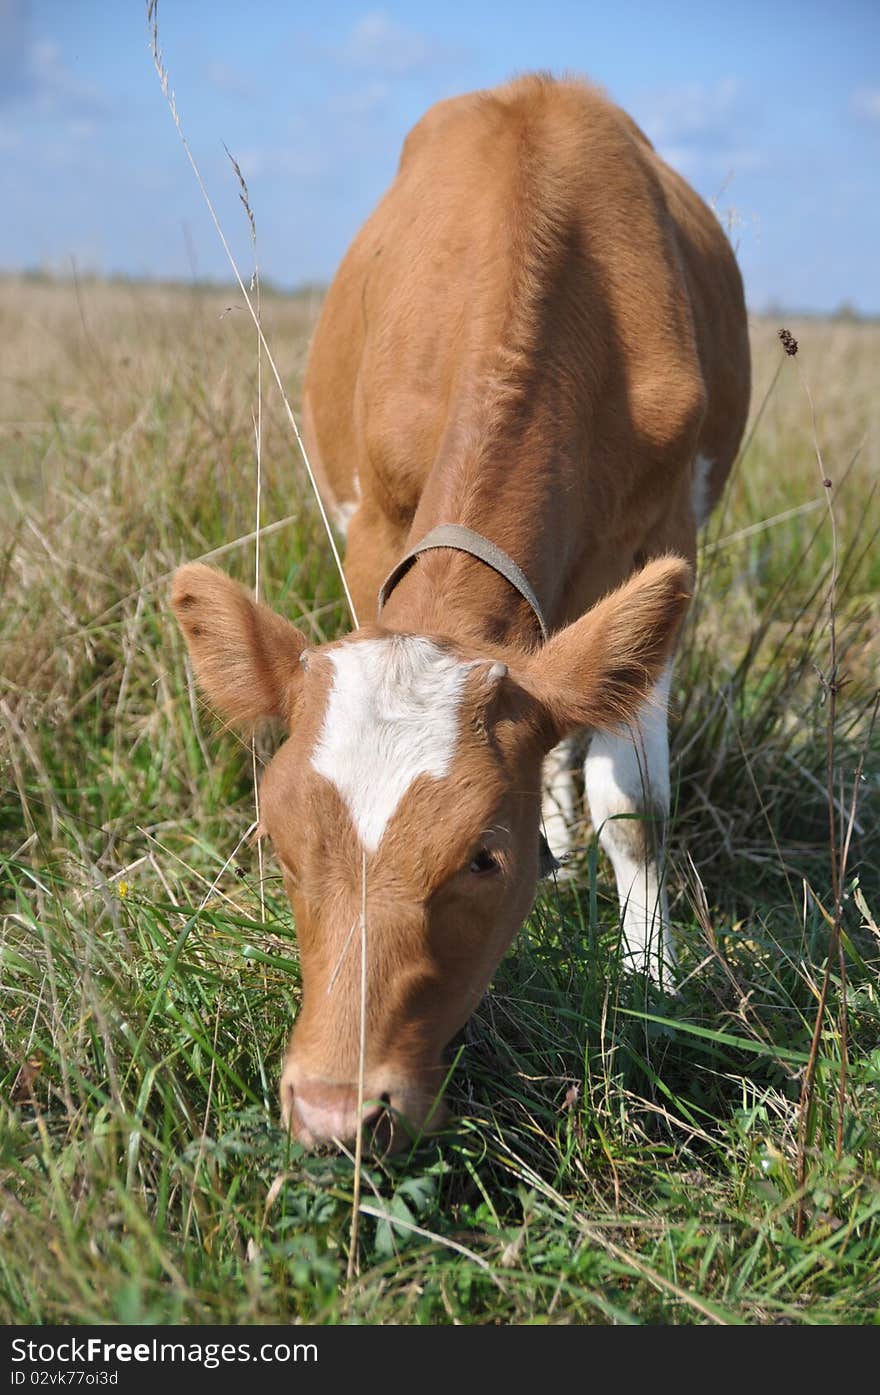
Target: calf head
409,781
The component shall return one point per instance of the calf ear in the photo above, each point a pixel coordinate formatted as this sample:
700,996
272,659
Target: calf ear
245,657
599,671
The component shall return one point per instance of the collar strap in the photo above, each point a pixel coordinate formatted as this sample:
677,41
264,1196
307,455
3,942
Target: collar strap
466,540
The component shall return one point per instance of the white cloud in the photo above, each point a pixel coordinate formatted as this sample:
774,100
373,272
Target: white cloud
696,163
866,103
36,76
227,80
691,112
80,128
54,84
291,162
361,101
702,129
14,41
378,44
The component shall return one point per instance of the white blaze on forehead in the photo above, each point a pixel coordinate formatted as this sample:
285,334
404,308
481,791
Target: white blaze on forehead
392,715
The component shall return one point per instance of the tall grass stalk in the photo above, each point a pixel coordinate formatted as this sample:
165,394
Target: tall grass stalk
255,309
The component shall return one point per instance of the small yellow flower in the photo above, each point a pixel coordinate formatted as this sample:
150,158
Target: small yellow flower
123,889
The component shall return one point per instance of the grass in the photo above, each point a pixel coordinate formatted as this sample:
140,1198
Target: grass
618,1156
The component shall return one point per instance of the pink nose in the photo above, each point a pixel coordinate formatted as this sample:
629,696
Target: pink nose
322,1112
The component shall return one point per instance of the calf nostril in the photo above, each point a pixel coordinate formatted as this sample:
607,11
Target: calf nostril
372,1114
378,1124
319,1112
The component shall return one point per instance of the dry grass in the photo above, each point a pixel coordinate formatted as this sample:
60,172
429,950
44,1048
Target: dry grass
146,1003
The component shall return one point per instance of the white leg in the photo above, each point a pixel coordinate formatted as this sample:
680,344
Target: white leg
559,804
628,775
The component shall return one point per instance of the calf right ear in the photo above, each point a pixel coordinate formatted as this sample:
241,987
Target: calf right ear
245,657
600,670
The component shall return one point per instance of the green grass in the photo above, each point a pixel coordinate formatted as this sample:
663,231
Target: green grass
618,1155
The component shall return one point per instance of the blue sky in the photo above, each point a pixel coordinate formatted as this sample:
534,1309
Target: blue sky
771,109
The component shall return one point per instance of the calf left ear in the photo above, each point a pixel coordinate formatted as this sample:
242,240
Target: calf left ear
599,671
245,657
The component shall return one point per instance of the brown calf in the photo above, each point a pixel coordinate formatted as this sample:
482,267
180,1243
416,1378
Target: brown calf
539,336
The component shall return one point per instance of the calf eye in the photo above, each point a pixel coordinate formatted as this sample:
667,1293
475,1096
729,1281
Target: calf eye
483,862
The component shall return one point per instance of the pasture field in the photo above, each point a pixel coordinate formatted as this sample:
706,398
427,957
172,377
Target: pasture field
619,1156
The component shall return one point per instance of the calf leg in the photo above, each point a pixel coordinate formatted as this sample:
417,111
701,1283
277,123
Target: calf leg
559,804
626,780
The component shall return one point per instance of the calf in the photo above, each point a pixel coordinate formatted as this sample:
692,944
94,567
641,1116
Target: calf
533,362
